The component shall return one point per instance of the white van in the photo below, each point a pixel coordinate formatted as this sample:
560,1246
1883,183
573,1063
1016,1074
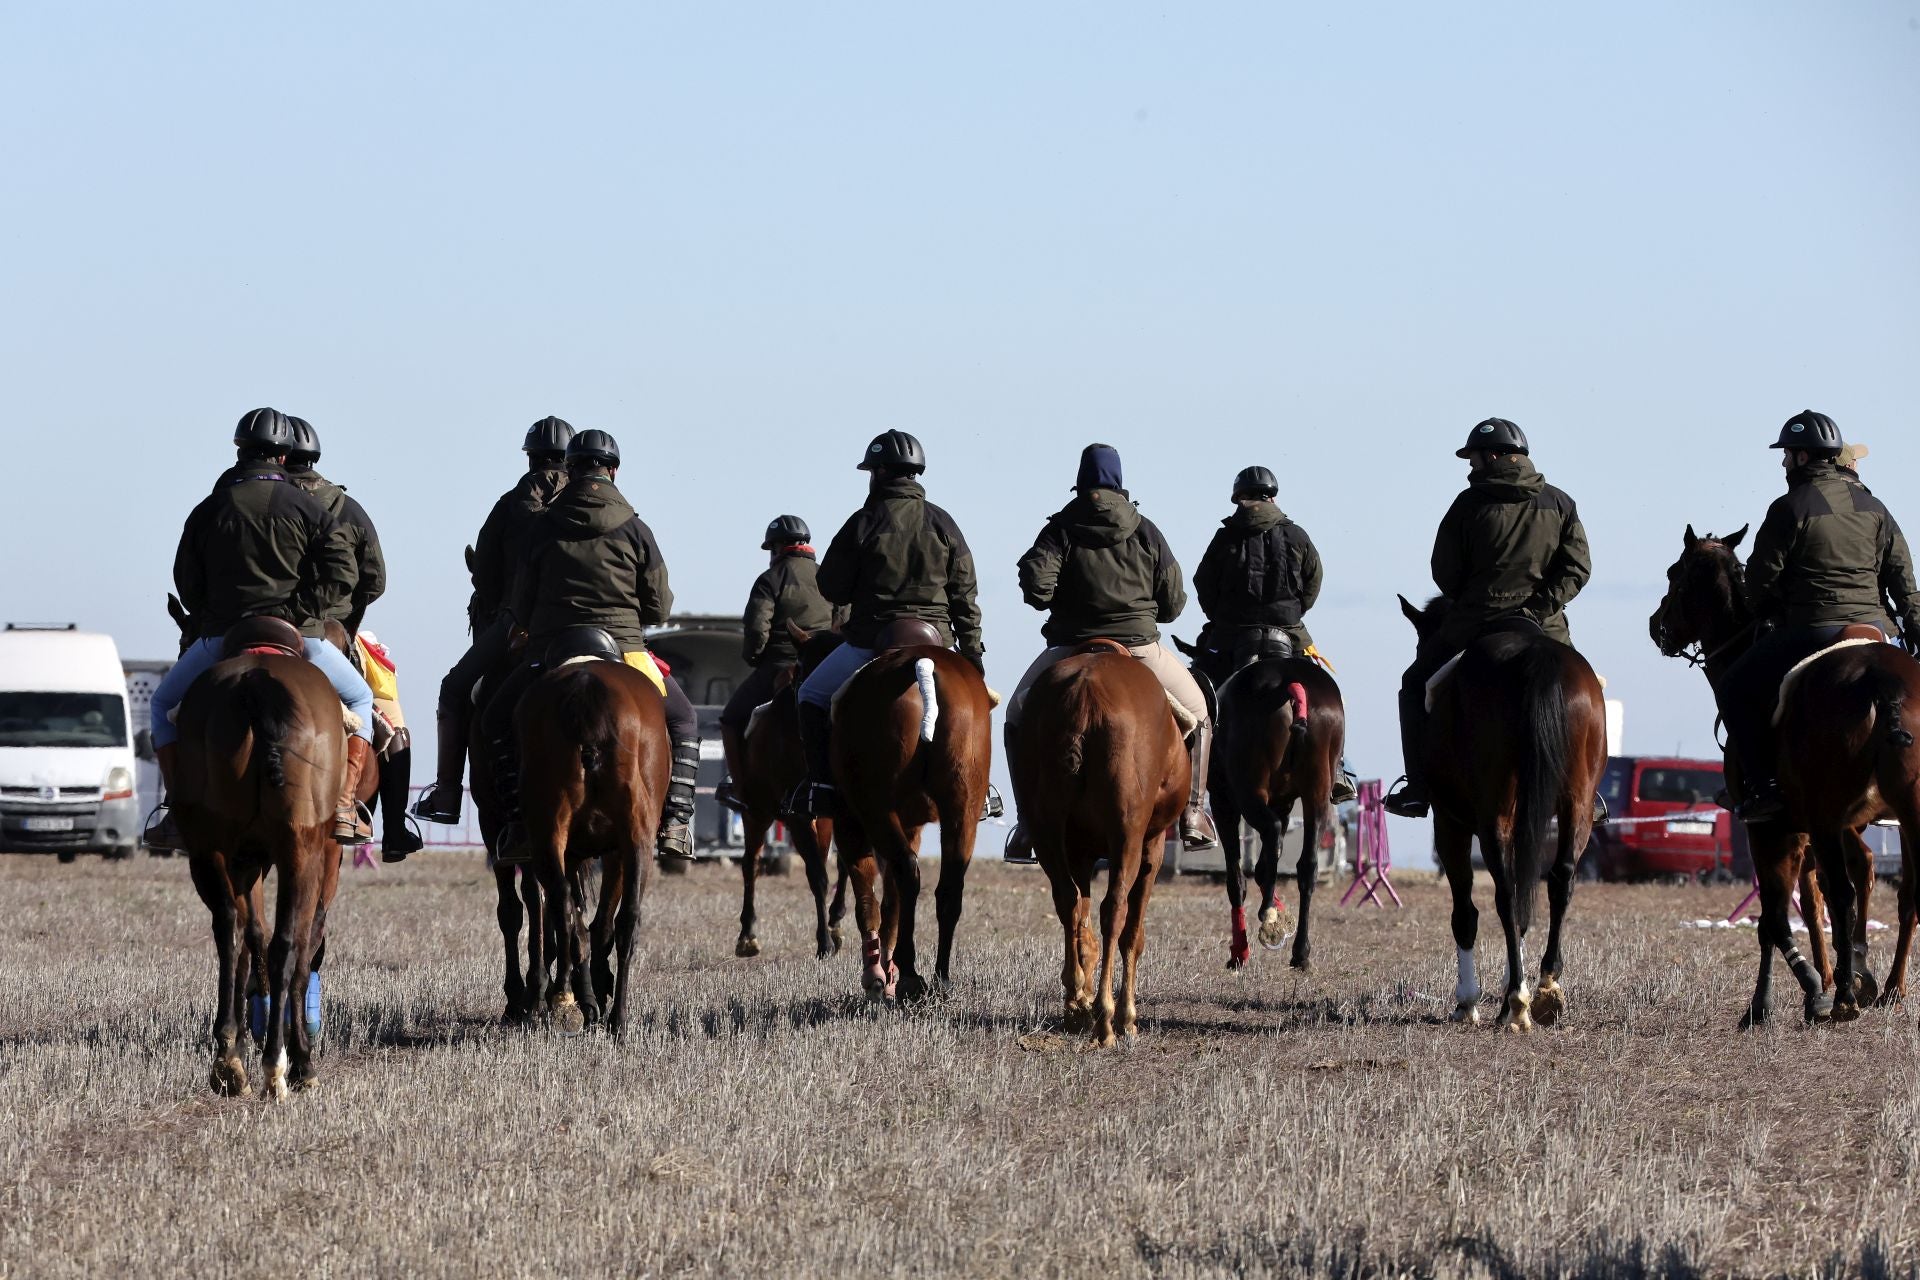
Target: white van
66,745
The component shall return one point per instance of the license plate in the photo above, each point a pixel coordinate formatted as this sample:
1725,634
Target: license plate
1689,828
47,824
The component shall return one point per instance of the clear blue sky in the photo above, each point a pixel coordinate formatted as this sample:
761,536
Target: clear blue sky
745,238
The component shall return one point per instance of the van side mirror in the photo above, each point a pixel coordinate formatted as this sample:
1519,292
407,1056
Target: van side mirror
143,745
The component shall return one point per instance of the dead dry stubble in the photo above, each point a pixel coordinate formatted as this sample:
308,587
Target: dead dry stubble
762,1118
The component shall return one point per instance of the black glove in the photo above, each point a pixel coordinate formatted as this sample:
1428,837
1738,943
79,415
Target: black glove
1910,635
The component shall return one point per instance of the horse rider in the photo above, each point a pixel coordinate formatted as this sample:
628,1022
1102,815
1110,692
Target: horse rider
1510,555
787,592
259,546
591,562
1827,556
898,556
397,840
1259,577
1103,571
497,555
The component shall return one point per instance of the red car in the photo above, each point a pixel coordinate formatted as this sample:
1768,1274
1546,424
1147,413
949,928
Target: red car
1664,820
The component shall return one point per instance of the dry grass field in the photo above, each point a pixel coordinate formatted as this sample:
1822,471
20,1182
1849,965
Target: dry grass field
765,1119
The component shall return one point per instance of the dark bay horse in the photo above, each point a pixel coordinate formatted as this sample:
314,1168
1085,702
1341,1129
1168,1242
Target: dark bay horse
594,768
1846,759
1517,739
771,765
1264,763
912,744
1104,774
262,758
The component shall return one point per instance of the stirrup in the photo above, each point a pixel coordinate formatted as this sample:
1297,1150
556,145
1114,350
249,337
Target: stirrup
994,807
447,815
1019,847
161,831
1764,803
1343,788
675,841
1194,837
725,796
511,847
1405,801
809,800
1600,811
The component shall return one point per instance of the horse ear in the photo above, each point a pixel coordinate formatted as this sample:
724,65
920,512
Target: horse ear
1185,648
799,633
1733,539
1406,607
1692,539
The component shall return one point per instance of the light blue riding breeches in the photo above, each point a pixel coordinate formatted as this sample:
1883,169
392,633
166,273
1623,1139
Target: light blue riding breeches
202,654
834,670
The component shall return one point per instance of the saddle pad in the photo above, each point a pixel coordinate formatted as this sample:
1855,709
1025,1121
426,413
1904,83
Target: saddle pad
1440,677
1792,678
640,660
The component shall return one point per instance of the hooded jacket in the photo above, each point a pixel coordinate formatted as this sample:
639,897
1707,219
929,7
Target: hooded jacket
789,591
899,556
1827,554
591,562
501,546
1260,570
370,566
259,546
1102,570
1511,543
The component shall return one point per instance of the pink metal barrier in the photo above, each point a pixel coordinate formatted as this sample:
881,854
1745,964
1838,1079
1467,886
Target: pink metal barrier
1372,859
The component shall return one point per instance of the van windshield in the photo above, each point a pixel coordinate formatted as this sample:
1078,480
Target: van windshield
1680,786
62,720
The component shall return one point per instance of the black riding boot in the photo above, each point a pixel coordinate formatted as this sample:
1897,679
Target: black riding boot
676,830
813,798
511,848
441,801
1761,800
397,838
1019,846
1410,799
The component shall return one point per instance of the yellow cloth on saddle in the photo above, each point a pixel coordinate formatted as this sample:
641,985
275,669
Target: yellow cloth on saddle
642,661
379,676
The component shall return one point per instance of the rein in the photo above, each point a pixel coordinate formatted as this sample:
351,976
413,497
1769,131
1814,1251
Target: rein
1698,658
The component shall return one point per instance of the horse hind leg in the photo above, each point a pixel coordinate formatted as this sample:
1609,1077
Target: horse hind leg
1271,829
510,915
296,898
1575,828
1894,990
813,857
1515,1005
1453,847
1226,817
1123,864
748,945
1842,895
229,1074
1070,905
1306,875
1866,989
1133,938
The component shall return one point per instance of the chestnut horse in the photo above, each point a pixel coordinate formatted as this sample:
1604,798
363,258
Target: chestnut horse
912,744
261,760
1282,732
1104,774
770,768
1845,760
1517,739
593,775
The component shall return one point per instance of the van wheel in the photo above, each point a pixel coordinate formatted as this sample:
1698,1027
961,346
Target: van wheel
118,853
67,855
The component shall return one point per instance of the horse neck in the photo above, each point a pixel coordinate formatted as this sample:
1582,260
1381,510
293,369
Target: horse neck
1727,636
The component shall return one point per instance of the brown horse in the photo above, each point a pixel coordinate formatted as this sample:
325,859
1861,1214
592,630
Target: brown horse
1282,732
1104,774
1517,739
594,769
912,744
771,766
262,758
1845,761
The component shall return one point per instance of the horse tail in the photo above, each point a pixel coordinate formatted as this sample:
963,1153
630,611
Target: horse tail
268,709
929,697
1543,770
585,716
1890,696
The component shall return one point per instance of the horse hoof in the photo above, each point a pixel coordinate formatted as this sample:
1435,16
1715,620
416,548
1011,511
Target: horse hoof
306,1084
229,1078
1865,989
1077,1020
564,1013
1819,1007
1273,929
1302,963
1889,997
277,1084
747,948
1548,1003
833,932
912,988
1517,1024
1235,963
1846,1011
1467,1013
1750,1019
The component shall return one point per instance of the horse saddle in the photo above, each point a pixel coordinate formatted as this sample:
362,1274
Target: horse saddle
580,644
265,635
1849,637
906,633
1514,624
1248,645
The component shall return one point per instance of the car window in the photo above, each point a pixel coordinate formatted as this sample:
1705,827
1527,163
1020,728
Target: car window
62,720
1680,786
1613,783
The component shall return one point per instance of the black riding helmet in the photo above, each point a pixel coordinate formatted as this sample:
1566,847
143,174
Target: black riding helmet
1255,482
1495,435
895,451
266,430
1814,432
305,450
596,445
549,435
786,531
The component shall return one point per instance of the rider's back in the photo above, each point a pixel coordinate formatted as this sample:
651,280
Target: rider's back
592,562
1511,541
259,545
363,542
1260,570
900,556
787,591
1102,571
501,547
1825,553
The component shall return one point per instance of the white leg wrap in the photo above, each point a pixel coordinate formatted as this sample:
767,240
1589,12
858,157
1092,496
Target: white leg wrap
1468,989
